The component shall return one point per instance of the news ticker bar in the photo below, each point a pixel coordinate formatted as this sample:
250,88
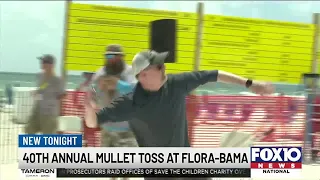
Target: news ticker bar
155,172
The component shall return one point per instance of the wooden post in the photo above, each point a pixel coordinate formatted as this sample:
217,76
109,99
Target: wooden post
197,52
193,100
316,22
64,72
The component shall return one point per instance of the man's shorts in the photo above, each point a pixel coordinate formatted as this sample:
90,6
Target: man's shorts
39,123
118,139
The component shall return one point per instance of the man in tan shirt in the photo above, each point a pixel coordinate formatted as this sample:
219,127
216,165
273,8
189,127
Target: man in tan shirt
47,99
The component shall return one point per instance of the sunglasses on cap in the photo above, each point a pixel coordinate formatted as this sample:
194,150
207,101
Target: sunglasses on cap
109,56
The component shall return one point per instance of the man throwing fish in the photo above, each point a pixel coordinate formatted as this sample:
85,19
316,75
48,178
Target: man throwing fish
156,109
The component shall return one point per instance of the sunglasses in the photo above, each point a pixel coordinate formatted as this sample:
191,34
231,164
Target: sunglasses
109,56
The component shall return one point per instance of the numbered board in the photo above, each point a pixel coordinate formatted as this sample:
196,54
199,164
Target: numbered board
259,49
92,27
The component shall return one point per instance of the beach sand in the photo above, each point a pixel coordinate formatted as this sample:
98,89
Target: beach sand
9,136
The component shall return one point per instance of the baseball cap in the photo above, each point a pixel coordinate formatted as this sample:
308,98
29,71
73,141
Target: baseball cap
47,58
146,58
114,49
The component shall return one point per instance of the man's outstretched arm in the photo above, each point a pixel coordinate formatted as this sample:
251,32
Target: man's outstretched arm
119,110
190,81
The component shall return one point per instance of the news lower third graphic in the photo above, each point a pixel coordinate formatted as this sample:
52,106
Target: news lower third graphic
64,156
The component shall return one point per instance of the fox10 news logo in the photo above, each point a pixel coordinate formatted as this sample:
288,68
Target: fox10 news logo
276,161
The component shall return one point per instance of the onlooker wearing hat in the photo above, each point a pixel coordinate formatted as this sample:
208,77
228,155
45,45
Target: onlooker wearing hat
108,87
47,99
112,80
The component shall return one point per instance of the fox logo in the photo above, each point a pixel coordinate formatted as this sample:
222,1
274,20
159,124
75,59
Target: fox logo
276,154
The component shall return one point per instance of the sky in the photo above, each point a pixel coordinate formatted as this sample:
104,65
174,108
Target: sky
31,28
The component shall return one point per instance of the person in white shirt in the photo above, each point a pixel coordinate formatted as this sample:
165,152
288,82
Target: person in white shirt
113,134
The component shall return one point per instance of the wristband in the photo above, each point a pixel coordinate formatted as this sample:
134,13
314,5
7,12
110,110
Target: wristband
248,83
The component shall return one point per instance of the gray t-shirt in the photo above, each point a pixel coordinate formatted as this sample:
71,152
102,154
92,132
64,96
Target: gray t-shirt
49,90
158,119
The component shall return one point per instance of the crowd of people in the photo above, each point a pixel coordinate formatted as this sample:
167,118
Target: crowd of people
138,105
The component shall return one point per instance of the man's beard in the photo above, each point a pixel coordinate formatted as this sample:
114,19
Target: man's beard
115,68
